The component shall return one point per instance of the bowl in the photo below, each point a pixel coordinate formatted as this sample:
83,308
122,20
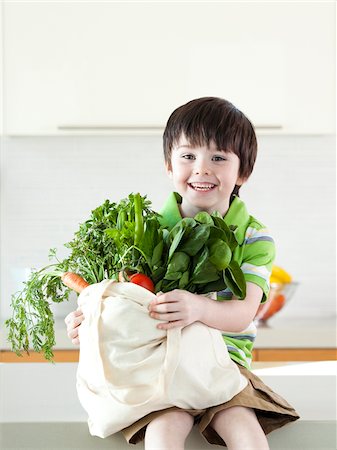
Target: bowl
279,295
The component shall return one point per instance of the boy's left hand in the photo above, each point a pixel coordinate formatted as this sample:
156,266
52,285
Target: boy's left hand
178,307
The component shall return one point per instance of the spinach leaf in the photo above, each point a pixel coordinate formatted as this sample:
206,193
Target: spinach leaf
229,233
235,280
196,240
204,217
183,282
157,254
179,262
204,271
176,240
220,254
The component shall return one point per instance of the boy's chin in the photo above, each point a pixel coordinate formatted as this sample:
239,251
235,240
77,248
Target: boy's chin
200,204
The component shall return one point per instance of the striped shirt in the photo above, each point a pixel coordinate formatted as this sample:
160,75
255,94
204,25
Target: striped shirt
255,254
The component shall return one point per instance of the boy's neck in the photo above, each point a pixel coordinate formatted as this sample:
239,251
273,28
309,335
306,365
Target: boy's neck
191,211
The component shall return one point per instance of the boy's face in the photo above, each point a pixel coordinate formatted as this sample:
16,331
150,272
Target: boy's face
204,177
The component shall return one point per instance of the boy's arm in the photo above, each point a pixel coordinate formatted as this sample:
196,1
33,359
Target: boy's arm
232,315
181,308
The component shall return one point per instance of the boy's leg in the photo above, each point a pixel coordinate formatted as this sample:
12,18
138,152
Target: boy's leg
240,429
168,431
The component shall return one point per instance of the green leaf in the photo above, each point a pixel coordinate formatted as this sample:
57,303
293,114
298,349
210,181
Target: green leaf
184,279
217,233
99,249
220,254
196,240
158,274
213,286
204,217
175,276
207,274
179,262
235,280
188,222
158,286
113,233
216,214
149,237
176,240
204,271
157,254
229,233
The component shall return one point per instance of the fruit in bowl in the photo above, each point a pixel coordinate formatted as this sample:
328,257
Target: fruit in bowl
282,288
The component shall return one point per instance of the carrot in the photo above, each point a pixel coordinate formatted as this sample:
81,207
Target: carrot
275,305
74,281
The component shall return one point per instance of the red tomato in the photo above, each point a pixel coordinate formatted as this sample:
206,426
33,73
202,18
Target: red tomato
142,280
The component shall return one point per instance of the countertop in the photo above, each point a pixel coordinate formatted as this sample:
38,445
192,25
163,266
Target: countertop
282,332
297,332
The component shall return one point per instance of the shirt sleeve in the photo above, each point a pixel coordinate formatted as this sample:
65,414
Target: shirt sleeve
258,258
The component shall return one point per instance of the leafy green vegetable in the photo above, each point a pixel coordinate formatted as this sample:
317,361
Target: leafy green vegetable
196,255
197,238
209,244
220,254
115,237
235,280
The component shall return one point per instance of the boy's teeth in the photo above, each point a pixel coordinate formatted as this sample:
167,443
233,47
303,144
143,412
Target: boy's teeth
202,186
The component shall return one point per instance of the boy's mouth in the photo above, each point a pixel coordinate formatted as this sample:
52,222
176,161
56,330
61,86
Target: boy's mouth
202,187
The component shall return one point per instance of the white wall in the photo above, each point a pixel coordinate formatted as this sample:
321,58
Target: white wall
50,184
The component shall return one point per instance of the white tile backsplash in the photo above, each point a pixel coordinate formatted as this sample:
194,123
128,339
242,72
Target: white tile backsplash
50,184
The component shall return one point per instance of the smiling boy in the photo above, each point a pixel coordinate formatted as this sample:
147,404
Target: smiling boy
210,150
204,176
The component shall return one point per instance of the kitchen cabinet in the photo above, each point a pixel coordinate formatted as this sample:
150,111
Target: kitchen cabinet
113,67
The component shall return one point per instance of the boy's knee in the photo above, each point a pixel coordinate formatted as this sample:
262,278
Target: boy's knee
234,413
174,420
168,431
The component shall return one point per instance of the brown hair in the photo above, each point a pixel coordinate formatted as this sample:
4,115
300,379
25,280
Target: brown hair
213,119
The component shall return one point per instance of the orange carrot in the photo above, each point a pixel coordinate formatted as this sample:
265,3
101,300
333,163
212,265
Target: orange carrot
74,281
275,305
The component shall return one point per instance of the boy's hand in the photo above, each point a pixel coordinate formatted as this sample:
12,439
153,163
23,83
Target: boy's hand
178,307
73,321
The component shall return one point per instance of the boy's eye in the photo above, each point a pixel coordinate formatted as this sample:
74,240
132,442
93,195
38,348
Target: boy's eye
188,156
219,158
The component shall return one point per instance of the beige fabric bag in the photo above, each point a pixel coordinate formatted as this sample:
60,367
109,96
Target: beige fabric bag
128,368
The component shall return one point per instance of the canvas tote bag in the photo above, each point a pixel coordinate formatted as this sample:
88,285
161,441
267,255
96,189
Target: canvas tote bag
129,368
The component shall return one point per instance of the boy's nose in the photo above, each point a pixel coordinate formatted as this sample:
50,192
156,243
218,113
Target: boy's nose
202,169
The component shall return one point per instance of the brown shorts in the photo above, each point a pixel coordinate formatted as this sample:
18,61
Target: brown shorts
271,410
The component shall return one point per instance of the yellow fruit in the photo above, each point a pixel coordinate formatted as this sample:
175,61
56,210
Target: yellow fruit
275,280
279,275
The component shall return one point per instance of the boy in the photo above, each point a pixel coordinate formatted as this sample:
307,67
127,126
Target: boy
210,149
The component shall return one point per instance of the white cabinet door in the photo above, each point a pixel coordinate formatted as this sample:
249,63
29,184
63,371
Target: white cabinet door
111,66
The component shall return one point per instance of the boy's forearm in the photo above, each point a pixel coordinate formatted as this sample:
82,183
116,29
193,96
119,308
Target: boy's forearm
180,308
221,315
227,315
